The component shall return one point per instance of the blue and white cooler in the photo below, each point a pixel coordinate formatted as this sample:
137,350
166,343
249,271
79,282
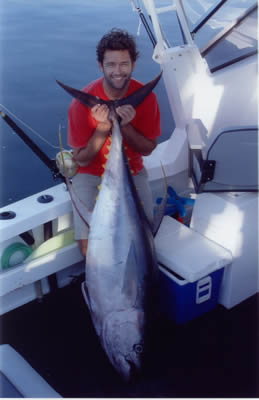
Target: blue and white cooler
191,271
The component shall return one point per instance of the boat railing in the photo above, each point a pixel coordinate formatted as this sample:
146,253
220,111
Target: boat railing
37,242
154,12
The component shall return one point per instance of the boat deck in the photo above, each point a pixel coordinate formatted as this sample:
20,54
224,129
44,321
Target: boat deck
215,355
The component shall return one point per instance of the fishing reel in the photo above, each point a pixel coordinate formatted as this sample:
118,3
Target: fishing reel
65,163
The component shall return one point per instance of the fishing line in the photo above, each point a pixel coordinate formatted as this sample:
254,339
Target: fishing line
30,128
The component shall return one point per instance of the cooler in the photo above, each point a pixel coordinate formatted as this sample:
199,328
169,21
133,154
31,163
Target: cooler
191,270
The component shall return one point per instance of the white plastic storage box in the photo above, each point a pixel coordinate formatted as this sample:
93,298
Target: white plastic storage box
191,271
231,220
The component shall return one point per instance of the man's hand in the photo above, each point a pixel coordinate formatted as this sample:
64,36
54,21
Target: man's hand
100,113
127,114
85,155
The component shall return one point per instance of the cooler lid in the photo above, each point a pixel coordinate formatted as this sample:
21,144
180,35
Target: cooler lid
188,253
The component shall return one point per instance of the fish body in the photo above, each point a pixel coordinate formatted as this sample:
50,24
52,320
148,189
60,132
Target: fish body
121,266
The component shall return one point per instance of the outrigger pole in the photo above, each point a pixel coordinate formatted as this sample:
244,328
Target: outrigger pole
51,164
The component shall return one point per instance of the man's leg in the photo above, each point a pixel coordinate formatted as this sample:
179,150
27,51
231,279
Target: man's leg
85,187
83,243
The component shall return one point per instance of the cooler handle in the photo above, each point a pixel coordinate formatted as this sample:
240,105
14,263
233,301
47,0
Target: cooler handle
203,290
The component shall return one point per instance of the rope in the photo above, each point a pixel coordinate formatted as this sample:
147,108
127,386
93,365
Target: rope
11,250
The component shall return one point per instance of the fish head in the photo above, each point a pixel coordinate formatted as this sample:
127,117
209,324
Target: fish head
123,340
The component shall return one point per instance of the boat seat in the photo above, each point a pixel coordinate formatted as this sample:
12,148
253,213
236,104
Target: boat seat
19,379
228,163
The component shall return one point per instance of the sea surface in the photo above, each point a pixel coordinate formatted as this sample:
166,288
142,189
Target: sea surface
45,40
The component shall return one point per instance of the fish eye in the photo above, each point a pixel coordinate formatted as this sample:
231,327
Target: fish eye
138,348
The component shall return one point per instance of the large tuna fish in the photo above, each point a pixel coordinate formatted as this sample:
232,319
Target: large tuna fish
121,266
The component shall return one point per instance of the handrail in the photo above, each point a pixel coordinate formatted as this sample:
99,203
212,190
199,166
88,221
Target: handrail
183,21
165,9
154,12
150,7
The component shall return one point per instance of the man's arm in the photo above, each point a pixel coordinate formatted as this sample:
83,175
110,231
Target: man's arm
85,155
136,140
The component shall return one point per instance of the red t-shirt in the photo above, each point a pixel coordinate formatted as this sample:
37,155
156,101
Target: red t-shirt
81,126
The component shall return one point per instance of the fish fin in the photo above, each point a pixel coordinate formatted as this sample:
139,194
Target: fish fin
130,283
134,99
161,208
139,95
85,98
85,294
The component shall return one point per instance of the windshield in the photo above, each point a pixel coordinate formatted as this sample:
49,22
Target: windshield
225,31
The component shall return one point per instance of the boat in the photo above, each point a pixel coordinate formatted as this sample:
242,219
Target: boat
210,233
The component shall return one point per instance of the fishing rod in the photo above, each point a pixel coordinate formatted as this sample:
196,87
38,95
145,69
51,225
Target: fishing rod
51,164
145,23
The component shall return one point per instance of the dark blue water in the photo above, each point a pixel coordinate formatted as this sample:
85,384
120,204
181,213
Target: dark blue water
44,40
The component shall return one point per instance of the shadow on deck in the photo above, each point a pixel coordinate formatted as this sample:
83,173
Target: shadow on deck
216,355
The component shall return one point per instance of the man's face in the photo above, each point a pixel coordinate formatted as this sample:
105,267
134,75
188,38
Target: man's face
117,68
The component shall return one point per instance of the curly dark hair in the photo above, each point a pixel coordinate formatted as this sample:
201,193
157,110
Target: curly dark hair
117,39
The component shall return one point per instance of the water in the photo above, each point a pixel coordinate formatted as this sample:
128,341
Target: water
44,40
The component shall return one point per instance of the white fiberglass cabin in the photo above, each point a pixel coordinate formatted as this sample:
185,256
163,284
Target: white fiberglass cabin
211,156
211,82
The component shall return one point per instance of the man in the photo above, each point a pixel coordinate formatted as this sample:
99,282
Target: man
89,130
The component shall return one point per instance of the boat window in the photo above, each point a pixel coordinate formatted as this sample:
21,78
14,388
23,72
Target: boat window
241,42
225,31
197,11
